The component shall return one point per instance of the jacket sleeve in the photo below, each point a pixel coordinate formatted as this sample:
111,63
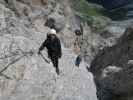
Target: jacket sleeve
43,45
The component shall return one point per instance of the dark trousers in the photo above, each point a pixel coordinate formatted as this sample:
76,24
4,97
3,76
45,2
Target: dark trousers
78,60
54,60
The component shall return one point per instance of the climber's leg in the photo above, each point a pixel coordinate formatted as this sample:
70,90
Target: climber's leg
55,64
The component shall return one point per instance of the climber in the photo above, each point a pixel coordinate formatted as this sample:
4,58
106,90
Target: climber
78,44
53,45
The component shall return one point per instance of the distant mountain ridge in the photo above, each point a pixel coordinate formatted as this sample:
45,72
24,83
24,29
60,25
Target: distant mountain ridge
111,4
118,9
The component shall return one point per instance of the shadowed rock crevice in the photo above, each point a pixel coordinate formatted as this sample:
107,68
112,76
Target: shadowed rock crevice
113,70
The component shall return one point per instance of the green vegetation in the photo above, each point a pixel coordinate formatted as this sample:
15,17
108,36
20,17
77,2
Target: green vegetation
85,8
90,13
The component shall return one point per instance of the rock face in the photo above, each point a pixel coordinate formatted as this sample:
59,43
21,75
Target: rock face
112,69
24,75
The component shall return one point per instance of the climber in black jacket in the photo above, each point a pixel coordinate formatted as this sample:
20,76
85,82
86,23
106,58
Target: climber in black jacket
53,45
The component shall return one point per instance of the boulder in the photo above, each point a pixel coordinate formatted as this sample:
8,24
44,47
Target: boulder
59,23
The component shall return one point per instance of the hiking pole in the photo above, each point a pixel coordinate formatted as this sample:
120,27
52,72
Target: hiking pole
44,58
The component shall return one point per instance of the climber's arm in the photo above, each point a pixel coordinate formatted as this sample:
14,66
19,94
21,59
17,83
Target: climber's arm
42,46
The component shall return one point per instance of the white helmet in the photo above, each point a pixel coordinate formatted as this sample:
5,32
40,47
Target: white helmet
52,31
